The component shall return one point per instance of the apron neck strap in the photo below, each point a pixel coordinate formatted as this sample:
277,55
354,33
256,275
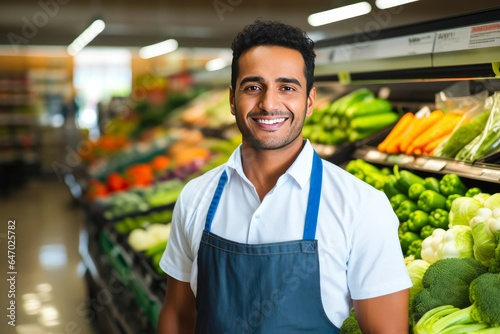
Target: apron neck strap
314,198
215,201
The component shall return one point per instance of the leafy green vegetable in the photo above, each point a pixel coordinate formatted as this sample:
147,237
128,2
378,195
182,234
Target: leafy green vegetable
484,226
446,282
350,324
458,242
492,202
484,293
416,270
463,210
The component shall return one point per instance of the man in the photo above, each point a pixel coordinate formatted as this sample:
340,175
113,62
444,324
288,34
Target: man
277,240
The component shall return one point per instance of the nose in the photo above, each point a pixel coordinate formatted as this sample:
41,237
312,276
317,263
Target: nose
269,100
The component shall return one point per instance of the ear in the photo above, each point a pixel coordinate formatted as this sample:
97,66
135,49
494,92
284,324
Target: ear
310,101
231,100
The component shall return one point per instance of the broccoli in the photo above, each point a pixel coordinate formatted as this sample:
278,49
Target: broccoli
350,324
495,260
482,316
446,282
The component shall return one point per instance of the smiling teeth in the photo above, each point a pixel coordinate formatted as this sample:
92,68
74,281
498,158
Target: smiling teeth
271,121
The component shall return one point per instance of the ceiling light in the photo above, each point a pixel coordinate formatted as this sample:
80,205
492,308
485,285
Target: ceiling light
86,37
158,49
215,64
339,14
384,4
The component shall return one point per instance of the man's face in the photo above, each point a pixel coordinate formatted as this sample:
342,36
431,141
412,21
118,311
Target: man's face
270,100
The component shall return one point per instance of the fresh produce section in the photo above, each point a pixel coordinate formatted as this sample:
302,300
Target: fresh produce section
449,235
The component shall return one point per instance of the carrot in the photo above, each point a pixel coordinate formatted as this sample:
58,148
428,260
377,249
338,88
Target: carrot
417,151
423,125
446,124
400,126
394,146
433,144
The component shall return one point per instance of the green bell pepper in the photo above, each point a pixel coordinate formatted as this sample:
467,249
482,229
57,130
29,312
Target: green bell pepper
426,231
431,183
417,220
450,199
406,239
451,184
397,199
438,218
415,190
406,178
390,188
404,209
415,249
403,227
377,181
473,192
430,200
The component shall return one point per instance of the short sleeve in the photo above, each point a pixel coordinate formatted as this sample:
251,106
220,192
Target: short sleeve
376,264
177,260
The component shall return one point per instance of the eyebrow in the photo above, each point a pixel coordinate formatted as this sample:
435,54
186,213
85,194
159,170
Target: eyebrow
260,79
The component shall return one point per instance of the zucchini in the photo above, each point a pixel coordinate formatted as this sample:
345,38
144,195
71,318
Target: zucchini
375,122
368,107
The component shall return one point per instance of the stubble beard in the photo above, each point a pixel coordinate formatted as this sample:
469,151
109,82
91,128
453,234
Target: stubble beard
270,144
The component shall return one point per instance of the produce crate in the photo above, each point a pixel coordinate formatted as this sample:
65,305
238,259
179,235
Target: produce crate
155,282
120,262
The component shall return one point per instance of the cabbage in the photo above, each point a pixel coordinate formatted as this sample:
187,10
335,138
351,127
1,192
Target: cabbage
416,270
457,242
141,240
482,197
463,210
493,202
484,225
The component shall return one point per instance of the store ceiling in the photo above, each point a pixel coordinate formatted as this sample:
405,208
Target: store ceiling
193,23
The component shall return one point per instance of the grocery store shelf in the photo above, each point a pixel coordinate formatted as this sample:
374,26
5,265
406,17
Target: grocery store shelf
489,174
400,53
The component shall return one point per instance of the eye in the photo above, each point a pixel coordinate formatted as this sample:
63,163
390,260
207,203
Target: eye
252,88
287,88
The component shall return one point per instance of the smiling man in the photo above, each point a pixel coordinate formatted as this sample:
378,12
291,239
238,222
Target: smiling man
278,240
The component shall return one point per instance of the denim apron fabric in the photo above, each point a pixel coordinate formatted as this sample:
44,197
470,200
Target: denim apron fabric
262,288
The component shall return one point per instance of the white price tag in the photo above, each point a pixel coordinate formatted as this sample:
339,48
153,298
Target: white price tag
472,37
375,155
435,165
491,174
385,48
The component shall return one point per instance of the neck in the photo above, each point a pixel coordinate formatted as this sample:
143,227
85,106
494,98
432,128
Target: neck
264,167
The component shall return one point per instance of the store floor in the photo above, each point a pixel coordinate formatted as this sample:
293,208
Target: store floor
50,289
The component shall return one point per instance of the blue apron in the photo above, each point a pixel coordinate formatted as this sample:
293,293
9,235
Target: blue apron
262,288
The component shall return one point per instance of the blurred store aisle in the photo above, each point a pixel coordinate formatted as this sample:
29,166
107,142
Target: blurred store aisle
50,290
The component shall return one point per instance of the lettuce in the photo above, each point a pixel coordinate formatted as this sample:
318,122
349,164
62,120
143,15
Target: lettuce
484,225
463,210
493,202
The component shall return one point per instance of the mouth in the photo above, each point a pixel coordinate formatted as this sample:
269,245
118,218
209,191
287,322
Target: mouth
270,124
270,121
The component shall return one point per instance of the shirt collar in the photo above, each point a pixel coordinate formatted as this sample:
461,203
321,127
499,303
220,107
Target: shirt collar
300,170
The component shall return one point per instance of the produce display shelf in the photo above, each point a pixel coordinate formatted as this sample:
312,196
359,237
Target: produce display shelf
490,173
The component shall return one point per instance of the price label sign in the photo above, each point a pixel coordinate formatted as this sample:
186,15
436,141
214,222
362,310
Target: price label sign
435,165
375,155
472,37
491,174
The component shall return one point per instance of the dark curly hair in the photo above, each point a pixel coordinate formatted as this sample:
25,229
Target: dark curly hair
274,34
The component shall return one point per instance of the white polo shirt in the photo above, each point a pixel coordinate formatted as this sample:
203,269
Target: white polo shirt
359,252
